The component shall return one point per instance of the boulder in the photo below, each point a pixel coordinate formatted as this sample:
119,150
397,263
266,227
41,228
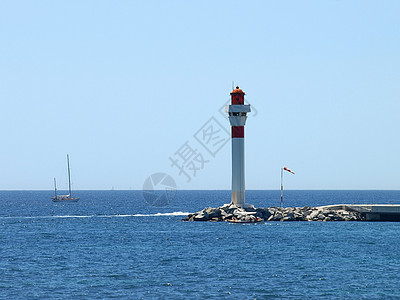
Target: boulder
276,217
213,212
201,217
263,213
288,217
313,215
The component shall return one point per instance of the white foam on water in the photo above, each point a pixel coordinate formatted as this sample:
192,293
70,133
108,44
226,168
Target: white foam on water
176,213
65,216
46,217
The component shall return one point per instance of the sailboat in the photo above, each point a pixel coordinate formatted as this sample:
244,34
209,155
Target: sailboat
64,198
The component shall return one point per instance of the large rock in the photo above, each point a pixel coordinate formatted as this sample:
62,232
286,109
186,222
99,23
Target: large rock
213,212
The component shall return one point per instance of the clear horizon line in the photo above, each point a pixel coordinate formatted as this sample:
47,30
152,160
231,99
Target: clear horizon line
111,190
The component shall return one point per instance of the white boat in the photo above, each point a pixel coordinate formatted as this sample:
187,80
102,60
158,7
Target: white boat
64,198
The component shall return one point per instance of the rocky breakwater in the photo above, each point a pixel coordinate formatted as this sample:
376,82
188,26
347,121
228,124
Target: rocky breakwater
230,212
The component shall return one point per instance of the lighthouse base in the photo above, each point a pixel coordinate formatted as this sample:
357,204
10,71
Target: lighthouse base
237,198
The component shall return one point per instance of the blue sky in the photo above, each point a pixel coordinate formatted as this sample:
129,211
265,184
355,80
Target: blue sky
122,86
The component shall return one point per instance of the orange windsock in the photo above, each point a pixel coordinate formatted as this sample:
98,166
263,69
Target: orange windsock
286,169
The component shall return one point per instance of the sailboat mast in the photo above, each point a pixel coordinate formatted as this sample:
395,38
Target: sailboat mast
55,188
69,177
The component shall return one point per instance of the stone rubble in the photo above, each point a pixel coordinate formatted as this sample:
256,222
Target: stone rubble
230,212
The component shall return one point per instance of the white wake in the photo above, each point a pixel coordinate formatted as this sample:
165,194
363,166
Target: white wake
176,213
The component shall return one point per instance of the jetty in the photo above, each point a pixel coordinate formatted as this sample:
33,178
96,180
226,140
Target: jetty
337,212
238,211
372,212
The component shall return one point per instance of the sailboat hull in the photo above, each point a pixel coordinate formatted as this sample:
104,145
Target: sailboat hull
64,199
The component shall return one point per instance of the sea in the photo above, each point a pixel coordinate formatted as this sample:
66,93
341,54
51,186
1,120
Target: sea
134,245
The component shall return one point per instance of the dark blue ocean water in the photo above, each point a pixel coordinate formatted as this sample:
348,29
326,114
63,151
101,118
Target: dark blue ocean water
113,244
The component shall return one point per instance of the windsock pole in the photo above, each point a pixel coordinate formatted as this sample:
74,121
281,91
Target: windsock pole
281,187
290,171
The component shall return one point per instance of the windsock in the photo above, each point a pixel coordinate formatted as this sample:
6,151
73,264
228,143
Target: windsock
290,171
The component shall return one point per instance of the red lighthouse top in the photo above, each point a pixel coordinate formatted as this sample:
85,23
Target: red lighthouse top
237,96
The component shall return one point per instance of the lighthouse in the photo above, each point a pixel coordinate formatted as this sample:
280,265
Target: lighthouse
237,112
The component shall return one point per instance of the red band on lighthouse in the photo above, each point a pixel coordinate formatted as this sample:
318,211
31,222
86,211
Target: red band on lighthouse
237,131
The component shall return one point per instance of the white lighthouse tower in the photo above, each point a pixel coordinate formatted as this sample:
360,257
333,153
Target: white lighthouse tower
237,117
